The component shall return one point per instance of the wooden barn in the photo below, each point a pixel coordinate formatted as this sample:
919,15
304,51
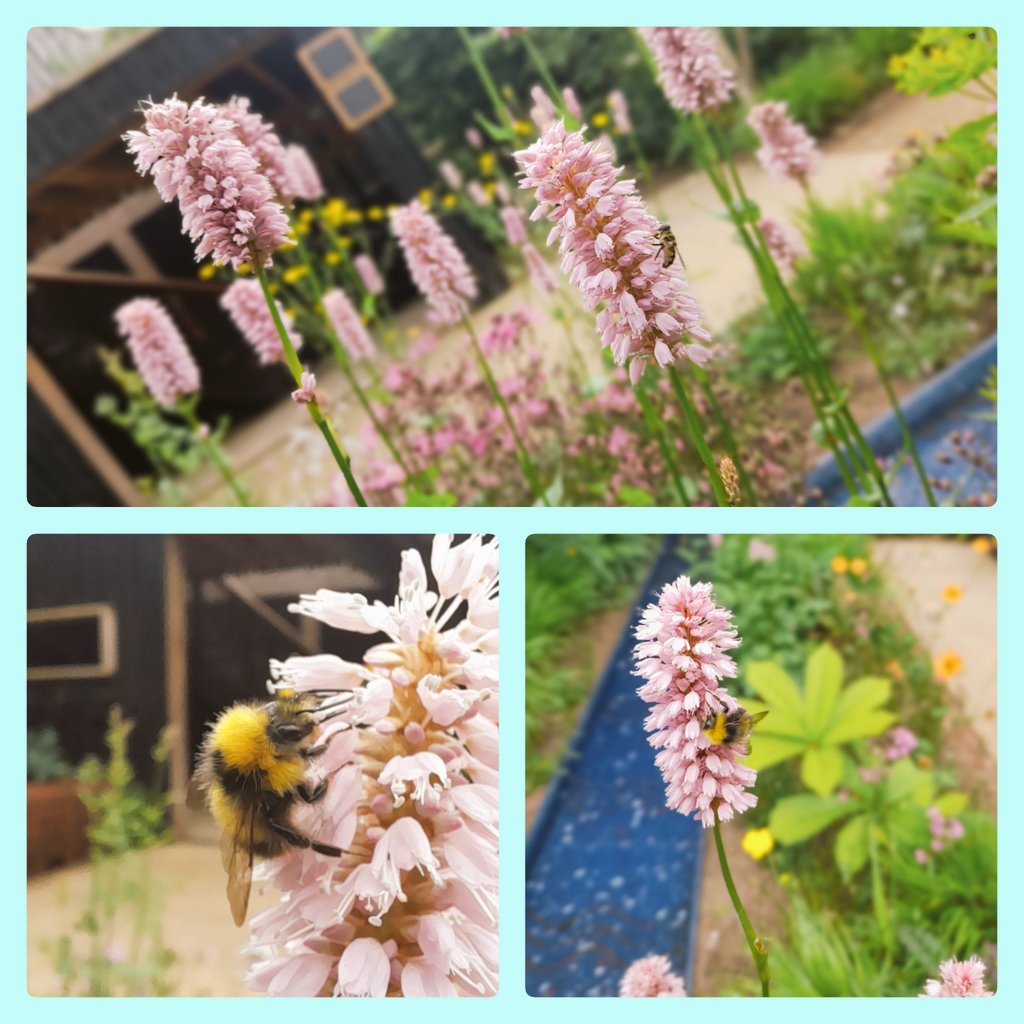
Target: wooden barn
98,234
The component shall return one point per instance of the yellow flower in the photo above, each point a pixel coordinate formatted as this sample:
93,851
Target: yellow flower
244,268
333,212
486,163
412,332
375,213
785,878
344,241
951,593
490,187
332,259
523,128
390,336
426,196
353,216
840,564
571,552
206,271
983,545
858,566
306,216
947,665
293,274
273,288
450,201
758,842
301,229
600,119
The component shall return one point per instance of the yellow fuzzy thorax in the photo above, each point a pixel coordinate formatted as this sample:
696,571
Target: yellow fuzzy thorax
241,737
717,731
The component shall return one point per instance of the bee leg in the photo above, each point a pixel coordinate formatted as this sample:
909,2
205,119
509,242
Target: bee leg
311,796
311,753
301,842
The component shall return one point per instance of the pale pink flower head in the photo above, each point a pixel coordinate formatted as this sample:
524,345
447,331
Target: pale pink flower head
572,103
959,979
899,742
306,391
620,111
609,248
784,242
515,226
438,268
787,150
651,976
369,274
474,138
261,139
478,194
451,175
303,181
411,906
683,656
347,324
158,350
690,72
247,307
542,277
228,205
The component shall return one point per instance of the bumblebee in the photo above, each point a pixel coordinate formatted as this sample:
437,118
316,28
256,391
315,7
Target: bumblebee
668,247
252,768
731,728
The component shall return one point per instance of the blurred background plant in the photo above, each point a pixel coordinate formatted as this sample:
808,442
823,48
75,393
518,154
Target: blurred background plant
44,755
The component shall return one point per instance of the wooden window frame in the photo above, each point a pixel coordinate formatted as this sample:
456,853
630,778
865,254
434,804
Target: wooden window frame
107,642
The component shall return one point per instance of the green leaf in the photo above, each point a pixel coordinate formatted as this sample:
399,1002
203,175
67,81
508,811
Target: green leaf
796,818
908,782
851,849
766,750
418,499
635,497
776,688
855,707
951,804
822,681
821,769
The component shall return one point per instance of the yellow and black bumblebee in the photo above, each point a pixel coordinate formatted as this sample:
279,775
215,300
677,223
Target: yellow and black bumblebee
252,767
668,247
731,728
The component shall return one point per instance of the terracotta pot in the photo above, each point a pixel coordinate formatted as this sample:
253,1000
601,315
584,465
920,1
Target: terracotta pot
56,825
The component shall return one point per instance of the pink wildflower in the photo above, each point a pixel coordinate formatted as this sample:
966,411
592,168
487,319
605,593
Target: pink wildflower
651,976
691,73
899,742
543,112
959,978
369,274
227,203
260,138
478,194
609,248
158,350
683,657
307,391
542,277
787,150
348,326
620,111
438,268
759,551
247,307
515,227
572,104
474,138
450,173
303,181
411,907
784,243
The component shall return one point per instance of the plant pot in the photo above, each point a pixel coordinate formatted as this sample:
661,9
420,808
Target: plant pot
56,825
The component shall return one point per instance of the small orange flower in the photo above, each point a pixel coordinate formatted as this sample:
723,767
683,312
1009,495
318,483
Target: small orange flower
895,670
983,545
951,593
947,665
858,566
840,565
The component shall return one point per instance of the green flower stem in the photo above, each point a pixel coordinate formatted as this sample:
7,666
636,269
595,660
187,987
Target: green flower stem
696,431
729,439
316,414
541,66
500,110
525,462
758,948
657,428
215,455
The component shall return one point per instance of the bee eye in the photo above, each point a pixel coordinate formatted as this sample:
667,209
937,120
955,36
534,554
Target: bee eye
290,732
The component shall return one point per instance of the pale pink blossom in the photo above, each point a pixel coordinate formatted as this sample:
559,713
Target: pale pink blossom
784,242
609,249
303,180
438,268
158,350
369,274
899,742
306,391
348,325
543,112
515,226
620,111
451,175
651,976
542,277
261,139
759,551
474,138
227,203
787,150
411,906
958,978
572,104
683,657
247,307
478,194
690,72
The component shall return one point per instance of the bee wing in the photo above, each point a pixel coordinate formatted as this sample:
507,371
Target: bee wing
754,719
236,853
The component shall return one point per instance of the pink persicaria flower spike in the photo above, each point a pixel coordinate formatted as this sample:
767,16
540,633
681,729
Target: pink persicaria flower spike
228,205
451,175
478,194
369,274
609,249
690,72
959,979
348,325
247,307
307,391
572,103
303,179
683,657
787,150
158,350
261,139
515,226
620,111
438,268
411,907
784,242
542,277
651,977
